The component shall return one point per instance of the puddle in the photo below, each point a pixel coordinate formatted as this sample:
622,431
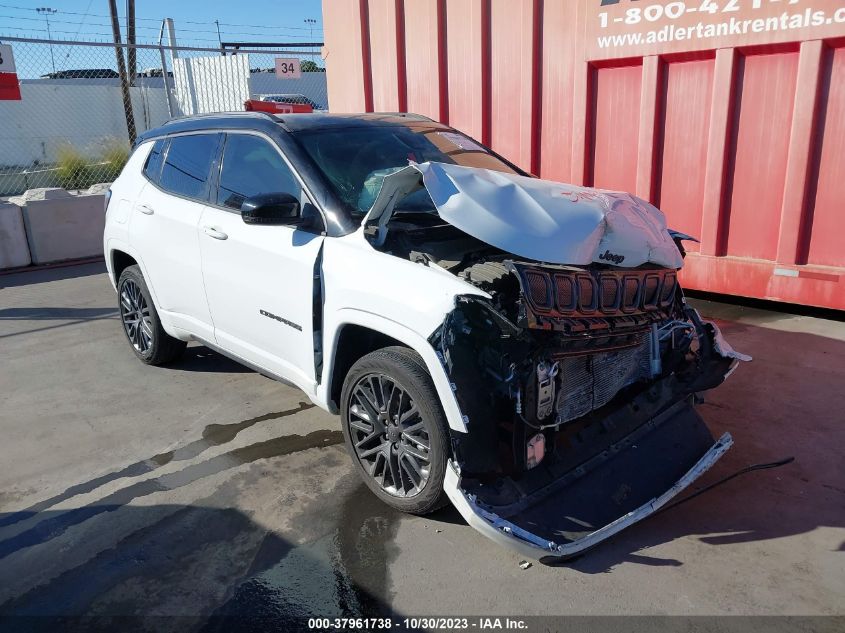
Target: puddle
333,560
343,572
170,543
212,435
196,552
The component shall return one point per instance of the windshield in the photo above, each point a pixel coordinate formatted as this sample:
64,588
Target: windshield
355,160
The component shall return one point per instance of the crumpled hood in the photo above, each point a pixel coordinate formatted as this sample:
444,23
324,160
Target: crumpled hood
537,219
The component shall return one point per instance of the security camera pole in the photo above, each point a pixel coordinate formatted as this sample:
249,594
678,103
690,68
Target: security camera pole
47,12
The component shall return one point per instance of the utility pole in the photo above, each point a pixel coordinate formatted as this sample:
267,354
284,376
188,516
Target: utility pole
121,69
219,39
47,12
131,51
311,22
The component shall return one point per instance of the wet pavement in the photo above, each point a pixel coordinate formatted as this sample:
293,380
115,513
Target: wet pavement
205,490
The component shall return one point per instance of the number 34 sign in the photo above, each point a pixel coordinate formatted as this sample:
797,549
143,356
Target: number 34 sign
288,68
9,88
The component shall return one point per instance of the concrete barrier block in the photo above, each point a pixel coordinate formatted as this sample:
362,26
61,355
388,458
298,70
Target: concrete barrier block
14,250
61,226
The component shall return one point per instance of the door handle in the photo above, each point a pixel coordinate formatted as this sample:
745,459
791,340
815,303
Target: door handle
215,233
145,209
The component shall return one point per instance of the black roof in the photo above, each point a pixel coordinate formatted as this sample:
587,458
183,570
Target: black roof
83,73
289,122
283,130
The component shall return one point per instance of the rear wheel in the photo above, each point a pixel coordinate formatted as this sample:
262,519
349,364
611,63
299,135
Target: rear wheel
395,429
141,323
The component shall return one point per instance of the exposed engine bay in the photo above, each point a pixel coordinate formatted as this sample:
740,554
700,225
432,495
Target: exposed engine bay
560,371
554,346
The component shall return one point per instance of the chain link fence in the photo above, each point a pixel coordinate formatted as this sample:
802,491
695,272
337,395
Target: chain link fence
80,111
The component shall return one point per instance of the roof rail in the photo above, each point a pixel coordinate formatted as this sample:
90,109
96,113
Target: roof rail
212,115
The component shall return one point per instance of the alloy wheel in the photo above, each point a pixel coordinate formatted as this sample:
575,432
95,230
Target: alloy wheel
389,434
135,314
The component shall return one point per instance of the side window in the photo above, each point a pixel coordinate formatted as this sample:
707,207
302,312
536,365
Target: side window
152,168
187,164
251,165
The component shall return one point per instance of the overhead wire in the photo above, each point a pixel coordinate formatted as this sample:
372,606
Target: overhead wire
87,14
85,28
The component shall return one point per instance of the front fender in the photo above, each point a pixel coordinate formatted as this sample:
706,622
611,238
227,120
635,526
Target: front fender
335,322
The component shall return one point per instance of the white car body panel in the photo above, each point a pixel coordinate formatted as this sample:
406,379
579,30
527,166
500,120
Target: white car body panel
404,300
261,268
227,281
539,219
164,228
124,194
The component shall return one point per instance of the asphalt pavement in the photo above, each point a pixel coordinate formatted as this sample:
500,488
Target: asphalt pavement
204,489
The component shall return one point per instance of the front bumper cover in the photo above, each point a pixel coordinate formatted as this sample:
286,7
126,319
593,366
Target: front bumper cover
511,533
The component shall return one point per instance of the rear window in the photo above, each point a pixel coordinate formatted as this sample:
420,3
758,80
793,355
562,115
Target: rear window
187,164
152,168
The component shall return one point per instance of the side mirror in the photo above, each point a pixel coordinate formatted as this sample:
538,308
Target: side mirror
271,209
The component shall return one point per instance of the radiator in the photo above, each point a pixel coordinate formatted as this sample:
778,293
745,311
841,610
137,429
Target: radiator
590,381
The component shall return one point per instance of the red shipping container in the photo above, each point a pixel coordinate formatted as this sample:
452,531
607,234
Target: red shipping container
727,114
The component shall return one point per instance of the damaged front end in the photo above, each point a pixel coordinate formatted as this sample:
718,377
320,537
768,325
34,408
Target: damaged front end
575,375
577,385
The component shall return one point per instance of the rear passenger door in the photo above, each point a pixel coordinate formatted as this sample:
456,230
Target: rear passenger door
164,224
259,279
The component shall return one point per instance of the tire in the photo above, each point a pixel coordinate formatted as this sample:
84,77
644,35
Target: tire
148,340
396,442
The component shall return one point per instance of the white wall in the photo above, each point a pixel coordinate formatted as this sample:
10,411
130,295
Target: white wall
50,114
211,84
85,112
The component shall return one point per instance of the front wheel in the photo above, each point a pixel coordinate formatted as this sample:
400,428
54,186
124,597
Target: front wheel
395,429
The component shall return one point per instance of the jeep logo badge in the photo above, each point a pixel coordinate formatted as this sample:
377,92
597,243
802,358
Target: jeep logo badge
612,257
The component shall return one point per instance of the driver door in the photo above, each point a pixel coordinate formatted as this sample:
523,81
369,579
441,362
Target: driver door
259,279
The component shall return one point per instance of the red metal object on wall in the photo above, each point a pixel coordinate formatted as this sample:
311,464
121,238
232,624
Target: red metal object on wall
10,89
276,108
727,114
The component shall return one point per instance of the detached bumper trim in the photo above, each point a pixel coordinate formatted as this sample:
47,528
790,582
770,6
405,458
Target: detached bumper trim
511,535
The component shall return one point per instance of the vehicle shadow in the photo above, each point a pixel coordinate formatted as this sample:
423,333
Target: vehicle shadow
788,402
211,569
56,314
31,276
66,316
199,358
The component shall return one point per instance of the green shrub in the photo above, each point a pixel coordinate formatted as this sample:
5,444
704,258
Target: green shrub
115,154
72,168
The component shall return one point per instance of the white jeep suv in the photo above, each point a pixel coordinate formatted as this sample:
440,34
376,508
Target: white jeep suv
487,337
